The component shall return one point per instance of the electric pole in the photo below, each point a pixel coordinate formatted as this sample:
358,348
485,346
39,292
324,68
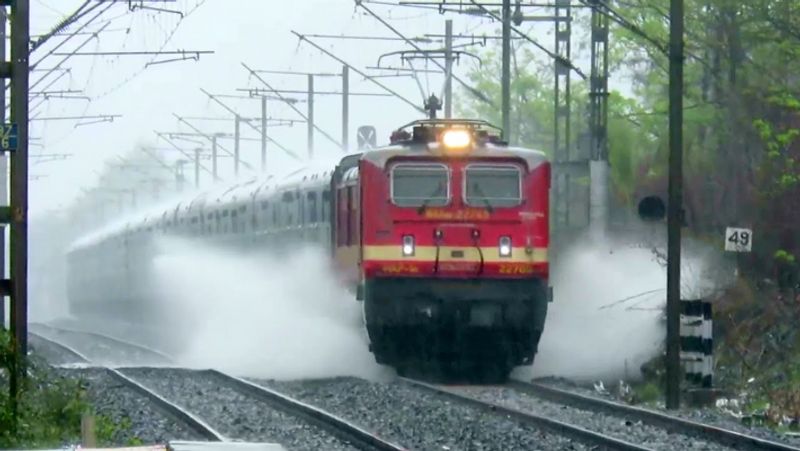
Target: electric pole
345,107
214,158
675,207
18,70
448,86
263,133
237,121
197,167
310,116
506,75
3,170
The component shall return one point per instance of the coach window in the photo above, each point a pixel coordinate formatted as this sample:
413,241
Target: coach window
302,217
342,222
326,206
493,185
234,222
353,217
417,185
312,207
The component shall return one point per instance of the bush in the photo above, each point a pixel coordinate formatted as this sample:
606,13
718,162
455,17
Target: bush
50,406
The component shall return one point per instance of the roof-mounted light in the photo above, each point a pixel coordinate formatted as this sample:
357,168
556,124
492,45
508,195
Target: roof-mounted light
456,139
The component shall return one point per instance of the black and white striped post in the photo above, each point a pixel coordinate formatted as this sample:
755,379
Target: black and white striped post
697,342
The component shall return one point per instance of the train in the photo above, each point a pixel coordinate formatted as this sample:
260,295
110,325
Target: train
441,234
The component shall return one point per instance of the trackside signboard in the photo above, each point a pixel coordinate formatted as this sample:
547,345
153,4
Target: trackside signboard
738,239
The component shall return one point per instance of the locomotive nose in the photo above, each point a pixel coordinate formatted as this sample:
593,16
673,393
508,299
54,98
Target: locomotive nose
457,233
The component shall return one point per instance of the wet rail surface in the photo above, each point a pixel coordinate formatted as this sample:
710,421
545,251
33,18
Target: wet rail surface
103,349
221,407
673,424
185,417
565,428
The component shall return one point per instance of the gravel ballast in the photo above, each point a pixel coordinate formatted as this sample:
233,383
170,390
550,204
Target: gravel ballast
102,350
232,414
121,405
54,355
710,415
418,419
634,432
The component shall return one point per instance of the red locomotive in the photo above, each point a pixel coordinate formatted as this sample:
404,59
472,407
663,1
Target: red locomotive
446,233
442,234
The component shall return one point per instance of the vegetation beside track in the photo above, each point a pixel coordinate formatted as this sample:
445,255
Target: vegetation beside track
49,407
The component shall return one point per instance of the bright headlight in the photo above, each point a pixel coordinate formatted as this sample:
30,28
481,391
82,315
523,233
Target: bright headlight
408,245
456,139
505,246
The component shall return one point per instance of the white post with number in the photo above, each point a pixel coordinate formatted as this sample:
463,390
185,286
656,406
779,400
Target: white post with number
738,239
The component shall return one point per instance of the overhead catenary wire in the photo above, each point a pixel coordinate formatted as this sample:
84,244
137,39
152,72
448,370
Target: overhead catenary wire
472,90
77,32
232,111
63,60
559,58
210,138
297,110
66,22
179,149
359,72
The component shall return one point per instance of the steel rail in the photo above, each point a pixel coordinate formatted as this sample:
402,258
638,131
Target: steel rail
333,424
195,423
82,358
558,427
671,423
337,426
160,402
119,341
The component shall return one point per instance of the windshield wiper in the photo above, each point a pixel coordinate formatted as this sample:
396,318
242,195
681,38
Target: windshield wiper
482,195
428,199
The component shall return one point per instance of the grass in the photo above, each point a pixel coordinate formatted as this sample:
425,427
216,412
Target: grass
50,407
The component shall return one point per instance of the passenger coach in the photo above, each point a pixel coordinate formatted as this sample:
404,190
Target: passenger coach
442,234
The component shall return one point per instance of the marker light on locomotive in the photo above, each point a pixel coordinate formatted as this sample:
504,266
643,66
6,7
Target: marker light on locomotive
408,245
505,246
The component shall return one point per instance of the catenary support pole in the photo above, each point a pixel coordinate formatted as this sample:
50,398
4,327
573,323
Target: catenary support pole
236,144
3,170
345,107
675,207
214,158
310,116
506,71
448,83
197,167
20,39
263,133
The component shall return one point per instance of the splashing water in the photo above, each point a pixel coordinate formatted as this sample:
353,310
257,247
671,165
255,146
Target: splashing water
259,317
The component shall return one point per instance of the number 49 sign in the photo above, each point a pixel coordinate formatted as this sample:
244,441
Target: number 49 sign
738,240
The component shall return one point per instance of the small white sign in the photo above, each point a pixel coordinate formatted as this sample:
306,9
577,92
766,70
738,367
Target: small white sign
738,239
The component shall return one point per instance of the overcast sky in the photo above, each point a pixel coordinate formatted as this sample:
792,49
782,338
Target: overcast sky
257,32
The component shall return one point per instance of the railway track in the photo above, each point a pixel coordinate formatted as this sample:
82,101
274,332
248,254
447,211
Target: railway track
185,417
589,437
103,349
602,423
214,397
592,422
671,423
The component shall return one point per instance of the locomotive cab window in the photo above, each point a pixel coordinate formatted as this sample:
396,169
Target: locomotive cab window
416,185
493,185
